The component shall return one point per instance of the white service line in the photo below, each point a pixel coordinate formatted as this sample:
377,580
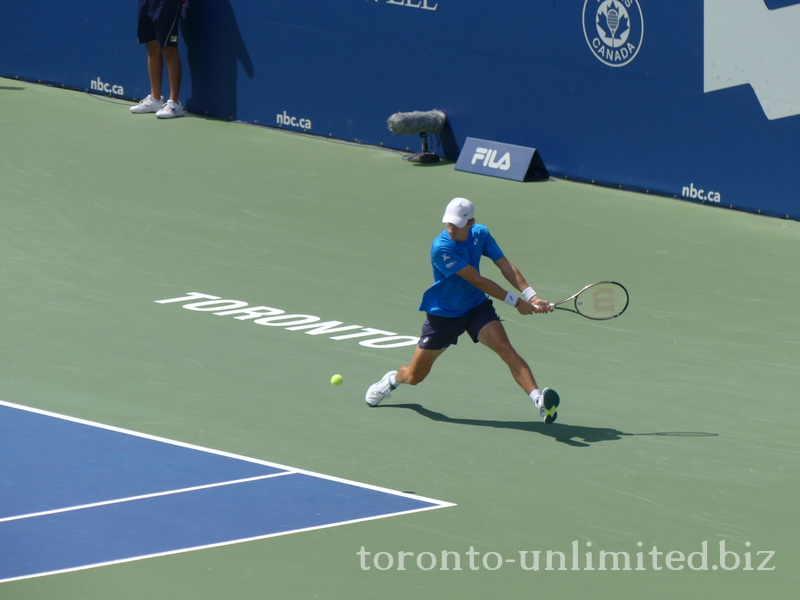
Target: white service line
217,544
286,470
439,503
143,497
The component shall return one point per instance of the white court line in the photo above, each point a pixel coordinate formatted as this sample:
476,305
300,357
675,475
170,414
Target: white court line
439,503
143,497
219,544
435,504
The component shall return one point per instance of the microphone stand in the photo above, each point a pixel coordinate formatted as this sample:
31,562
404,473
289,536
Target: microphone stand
425,156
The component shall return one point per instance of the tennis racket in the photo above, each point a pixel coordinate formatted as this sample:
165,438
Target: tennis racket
599,301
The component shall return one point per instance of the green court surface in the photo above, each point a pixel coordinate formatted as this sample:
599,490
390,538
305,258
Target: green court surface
678,424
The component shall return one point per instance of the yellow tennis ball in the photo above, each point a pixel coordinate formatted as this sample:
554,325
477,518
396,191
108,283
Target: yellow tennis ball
336,380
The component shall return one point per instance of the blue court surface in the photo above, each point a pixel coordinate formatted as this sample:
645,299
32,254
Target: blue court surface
76,494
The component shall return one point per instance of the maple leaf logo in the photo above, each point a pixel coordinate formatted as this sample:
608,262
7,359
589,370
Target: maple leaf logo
614,22
614,30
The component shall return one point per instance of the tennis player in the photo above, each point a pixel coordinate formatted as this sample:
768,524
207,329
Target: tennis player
457,302
158,31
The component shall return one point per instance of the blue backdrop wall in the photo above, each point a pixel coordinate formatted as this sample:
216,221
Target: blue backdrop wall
687,98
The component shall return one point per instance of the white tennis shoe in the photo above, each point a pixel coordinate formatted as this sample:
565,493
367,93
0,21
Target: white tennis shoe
170,110
380,391
148,105
547,404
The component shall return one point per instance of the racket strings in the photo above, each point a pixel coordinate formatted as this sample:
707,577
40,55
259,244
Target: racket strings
603,300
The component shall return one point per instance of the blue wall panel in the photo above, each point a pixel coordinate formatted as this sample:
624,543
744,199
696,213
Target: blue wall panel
514,72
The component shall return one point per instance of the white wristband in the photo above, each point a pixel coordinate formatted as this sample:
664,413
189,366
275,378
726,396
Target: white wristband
528,293
511,299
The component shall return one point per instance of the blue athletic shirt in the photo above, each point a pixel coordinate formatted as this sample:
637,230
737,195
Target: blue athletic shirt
452,295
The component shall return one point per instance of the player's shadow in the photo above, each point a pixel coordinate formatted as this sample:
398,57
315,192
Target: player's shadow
214,46
572,435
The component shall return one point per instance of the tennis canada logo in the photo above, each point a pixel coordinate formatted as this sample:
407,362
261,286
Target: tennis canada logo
614,30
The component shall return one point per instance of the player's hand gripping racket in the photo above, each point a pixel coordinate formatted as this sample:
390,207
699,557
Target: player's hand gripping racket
599,301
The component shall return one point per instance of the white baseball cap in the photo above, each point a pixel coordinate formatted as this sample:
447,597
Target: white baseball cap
458,212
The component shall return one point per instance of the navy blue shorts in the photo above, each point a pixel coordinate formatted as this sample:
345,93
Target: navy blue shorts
441,332
158,20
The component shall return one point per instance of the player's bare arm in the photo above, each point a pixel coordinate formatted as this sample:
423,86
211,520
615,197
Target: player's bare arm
515,278
473,276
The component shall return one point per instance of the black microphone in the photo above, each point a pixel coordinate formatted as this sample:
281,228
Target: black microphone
423,123
431,121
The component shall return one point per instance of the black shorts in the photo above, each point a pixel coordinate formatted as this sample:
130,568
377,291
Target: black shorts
158,20
441,332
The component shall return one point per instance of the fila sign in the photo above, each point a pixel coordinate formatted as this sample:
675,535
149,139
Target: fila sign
500,160
488,156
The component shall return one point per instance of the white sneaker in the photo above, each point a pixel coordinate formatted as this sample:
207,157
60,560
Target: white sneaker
170,110
380,391
547,404
148,105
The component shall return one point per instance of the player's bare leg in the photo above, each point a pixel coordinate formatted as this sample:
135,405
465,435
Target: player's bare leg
155,68
174,71
493,335
420,366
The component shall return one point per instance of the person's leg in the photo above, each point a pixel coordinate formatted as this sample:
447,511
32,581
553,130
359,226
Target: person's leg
493,335
420,366
174,71
155,68
172,108
438,333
